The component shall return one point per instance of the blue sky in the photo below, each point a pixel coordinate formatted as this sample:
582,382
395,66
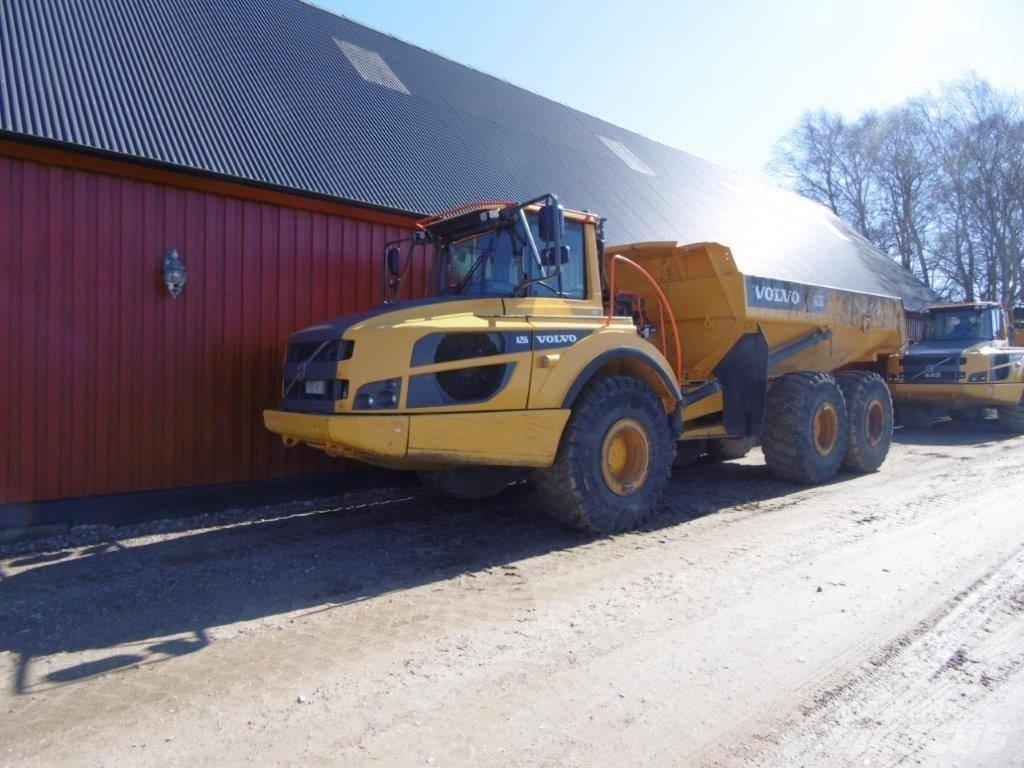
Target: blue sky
722,80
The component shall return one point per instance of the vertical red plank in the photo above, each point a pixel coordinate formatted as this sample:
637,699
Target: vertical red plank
212,332
287,259
269,256
7,289
12,489
148,343
317,290
26,436
111,398
88,333
129,321
247,321
226,390
337,282
175,347
100,363
192,411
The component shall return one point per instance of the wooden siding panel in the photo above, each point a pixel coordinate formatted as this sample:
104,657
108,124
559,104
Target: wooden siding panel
107,385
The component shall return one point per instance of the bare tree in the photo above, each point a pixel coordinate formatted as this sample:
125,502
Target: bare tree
903,171
937,183
809,157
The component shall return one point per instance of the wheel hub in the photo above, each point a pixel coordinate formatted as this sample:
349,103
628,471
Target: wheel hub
625,456
874,422
826,428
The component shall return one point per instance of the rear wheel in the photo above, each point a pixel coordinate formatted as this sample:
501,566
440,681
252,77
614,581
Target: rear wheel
728,448
469,482
805,433
869,420
614,459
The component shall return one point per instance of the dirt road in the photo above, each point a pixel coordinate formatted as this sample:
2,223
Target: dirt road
875,621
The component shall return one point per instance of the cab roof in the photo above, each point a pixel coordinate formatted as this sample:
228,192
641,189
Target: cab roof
964,305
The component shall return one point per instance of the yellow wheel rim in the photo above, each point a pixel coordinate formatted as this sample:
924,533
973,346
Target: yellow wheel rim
874,422
826,428
626,456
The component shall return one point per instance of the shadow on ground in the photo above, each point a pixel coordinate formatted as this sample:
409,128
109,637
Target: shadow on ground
955,433
157,599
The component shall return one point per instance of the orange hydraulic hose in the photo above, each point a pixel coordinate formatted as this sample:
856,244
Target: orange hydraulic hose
664,306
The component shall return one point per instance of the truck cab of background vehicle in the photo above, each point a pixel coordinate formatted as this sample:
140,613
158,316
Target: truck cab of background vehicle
970,359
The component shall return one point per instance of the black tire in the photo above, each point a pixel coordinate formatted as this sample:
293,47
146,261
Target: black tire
729,448
967,415
576,490
1012,419
469,483
914,416
869,419
688,452
795,403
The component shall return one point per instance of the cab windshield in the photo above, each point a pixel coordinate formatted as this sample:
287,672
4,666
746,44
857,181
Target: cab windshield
961,325
498,262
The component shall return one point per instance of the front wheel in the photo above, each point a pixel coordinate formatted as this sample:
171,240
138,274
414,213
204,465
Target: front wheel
614,459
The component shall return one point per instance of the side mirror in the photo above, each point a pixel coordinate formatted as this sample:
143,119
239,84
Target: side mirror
551,222
394,260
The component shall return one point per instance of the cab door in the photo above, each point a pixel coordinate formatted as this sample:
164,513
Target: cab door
558,323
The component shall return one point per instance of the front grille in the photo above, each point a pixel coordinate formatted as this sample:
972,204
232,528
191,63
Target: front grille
931,369
333,351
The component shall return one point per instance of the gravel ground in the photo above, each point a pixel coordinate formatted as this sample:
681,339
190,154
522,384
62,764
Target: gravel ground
874,621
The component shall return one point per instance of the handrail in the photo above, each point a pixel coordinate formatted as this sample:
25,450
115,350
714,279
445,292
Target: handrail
664,308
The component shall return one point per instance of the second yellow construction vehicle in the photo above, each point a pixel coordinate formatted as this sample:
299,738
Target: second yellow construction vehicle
971,360
536,348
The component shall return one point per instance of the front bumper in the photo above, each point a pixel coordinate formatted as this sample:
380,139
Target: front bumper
1000,394
429,440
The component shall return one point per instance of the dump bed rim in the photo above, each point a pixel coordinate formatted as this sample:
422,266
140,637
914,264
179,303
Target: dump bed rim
657,244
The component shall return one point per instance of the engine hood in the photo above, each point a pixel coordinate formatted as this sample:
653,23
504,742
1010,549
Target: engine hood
942,348
336,327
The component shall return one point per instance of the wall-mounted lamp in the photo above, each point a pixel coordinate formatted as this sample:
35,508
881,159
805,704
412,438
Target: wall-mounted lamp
175,273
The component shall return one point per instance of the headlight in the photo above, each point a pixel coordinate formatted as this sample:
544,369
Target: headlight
378,395
976,377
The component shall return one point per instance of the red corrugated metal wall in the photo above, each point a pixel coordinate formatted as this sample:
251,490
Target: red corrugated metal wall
107,385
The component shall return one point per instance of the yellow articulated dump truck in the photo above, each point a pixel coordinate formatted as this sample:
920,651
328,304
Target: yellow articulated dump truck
537,350
970,360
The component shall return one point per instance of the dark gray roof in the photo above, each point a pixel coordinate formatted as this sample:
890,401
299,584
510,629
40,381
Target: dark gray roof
283,93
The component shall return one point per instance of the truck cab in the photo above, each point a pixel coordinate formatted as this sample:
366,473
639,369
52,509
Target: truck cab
969,360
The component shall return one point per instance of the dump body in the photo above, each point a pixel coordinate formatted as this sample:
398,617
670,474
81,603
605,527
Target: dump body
737,330
715,304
